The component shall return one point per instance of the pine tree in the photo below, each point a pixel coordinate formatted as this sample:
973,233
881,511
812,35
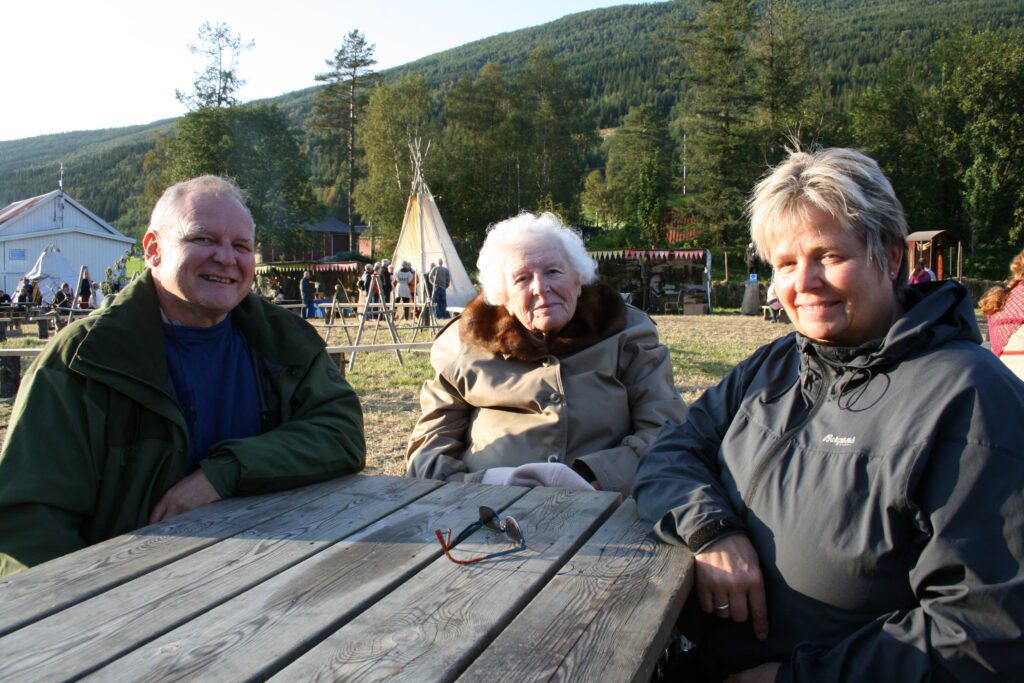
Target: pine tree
718,117
339,105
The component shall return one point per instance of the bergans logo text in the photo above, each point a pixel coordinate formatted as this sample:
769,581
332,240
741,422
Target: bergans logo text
840,440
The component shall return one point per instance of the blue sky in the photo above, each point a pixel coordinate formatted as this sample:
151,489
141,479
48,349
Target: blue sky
83,64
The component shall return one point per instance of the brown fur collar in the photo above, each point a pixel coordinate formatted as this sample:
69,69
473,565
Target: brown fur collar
600,313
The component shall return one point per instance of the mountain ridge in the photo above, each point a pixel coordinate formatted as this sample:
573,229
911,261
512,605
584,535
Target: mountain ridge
619,55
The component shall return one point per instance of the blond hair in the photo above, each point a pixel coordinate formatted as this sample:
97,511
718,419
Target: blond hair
994,299
843,183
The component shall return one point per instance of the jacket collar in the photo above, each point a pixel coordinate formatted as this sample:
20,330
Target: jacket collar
600,313
127,337
937,313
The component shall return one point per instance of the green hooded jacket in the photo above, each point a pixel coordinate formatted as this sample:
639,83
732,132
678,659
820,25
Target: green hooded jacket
97,436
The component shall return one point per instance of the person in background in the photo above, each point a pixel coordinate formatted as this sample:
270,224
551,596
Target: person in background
62,299
84,289
96,301
385,283
1003,306
5,298
751,258
306,292
186,389
920,274
441,280
403,281
773,303
852,492
23,294
522,375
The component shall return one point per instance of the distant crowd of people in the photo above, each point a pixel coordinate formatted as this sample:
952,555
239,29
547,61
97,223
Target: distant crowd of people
383,286
29,294
852,492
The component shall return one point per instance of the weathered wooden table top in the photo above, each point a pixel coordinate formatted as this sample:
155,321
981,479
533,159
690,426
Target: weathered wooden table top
345,580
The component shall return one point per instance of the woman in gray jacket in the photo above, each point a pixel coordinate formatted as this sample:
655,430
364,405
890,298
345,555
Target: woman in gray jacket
853,492
547,378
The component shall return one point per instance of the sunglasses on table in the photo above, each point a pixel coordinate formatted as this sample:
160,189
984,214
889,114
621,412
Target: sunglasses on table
489,519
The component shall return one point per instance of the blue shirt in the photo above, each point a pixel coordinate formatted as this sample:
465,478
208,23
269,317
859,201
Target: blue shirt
215,382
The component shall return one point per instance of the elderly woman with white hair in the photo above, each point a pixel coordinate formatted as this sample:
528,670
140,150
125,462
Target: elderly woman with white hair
547,378
853,492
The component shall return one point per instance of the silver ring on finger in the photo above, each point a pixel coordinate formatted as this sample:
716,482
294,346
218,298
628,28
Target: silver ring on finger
723,606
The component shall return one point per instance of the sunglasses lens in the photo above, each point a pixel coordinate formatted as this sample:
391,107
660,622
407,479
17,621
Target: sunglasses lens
511,528
489,518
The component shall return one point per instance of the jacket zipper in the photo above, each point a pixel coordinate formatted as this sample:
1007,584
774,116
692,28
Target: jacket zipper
777,446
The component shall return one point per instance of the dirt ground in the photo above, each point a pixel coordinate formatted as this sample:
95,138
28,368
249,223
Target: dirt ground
703,348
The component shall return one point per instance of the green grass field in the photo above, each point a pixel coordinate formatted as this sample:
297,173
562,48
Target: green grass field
703,348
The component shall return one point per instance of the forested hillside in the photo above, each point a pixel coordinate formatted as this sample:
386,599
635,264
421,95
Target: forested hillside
619,57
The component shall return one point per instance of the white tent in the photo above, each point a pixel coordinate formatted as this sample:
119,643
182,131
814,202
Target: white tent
424,238
52,269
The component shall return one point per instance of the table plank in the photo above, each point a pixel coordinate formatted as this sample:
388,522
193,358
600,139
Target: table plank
431,628
606,615
264,629
54,585
89,634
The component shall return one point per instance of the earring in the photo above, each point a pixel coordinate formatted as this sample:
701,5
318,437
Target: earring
892,275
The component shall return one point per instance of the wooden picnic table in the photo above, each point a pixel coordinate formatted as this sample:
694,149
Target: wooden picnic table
345,580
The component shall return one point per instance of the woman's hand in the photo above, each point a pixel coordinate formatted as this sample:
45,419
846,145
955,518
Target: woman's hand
729,582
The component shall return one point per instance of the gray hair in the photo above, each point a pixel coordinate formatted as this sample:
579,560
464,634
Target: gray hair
528,228
167,212
843,183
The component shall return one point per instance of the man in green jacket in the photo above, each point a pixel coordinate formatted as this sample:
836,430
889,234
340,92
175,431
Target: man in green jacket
185,390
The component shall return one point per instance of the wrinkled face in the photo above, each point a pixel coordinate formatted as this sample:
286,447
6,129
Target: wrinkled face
541,287
830,289
203,269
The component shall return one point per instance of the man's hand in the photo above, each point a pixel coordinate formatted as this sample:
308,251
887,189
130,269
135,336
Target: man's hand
759,674
729,582
193,491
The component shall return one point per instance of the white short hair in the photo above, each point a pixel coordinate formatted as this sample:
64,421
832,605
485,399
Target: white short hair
528,228
167,212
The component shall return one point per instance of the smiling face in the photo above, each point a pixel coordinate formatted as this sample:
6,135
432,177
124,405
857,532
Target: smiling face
204,268
831,290
541,287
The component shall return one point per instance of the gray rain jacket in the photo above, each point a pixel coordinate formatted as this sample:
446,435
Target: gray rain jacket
884,495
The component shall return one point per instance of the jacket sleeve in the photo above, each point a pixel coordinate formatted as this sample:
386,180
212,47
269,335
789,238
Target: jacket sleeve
653,402
320,437
439,437
47,472
438,440
968,581
678,491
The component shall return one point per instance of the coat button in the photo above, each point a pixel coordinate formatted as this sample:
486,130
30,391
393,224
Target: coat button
556,398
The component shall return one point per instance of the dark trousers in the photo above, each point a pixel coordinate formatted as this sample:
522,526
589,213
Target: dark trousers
441,303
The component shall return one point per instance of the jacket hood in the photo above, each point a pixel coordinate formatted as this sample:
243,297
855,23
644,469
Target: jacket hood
600,313
937,313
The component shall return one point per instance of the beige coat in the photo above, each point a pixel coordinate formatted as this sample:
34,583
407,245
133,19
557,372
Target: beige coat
598,393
